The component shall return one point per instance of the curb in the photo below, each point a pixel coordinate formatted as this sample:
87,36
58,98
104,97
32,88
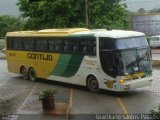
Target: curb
156,62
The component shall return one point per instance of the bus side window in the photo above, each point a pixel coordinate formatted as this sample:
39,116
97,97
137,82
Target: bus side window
108,63
88,47
94,49
52,45
38,45
82,46
58,45
28,44
84,49
65,48
25,44
9,43
31,44
58,48
17,43
68,45
75,48
41,45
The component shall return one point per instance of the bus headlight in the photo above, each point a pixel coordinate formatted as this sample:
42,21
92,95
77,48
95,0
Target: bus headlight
122,81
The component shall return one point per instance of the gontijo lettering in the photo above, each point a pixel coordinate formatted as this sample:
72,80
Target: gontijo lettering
39,56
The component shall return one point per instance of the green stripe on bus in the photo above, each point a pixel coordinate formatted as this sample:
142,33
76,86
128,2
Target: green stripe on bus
73,66
61,64
68,65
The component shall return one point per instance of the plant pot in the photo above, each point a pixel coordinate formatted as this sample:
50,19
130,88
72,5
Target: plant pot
48,103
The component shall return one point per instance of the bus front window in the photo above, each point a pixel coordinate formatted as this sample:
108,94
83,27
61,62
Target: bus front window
144,60
136,60
124,56
129,61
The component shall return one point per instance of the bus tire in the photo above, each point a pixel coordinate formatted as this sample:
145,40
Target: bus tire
92,84
32,74
24,73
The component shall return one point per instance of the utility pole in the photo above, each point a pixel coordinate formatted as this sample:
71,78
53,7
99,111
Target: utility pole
87,13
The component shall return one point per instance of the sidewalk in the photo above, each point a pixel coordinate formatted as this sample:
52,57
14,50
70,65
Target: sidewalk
31,109
155,61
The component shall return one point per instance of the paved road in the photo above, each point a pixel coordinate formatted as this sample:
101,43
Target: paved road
156,54
20,96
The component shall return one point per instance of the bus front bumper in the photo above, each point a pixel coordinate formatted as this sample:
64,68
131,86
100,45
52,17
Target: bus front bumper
138,83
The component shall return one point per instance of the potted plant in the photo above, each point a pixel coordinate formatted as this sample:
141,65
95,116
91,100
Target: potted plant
47,97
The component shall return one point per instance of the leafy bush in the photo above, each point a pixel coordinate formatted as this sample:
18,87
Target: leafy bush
155,113
47,93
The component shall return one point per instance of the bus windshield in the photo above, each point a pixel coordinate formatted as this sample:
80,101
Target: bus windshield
124,56
125,43
131,61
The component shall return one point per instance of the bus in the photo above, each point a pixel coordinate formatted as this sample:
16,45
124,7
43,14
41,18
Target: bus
115,60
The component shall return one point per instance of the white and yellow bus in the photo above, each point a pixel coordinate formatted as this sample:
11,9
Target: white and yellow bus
115,60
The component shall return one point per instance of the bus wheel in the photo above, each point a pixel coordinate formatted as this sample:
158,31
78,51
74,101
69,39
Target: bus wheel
92,84
32,74
24,73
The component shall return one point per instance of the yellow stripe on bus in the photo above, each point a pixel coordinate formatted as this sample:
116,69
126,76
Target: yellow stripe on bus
43,63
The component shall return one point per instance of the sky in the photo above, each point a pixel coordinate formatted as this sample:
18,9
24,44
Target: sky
134,5
9,7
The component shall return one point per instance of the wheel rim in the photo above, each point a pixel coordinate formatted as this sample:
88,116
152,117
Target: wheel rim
32,74
93,84
24,73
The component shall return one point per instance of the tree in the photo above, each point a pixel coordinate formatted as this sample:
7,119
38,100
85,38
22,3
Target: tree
71,13
155,10
108,14
141,10
9,23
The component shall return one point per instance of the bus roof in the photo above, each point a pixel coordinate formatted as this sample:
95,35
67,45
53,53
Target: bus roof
120,34
76,32
110,33
46,32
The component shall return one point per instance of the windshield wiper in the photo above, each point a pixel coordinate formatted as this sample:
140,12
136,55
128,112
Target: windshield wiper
134,66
